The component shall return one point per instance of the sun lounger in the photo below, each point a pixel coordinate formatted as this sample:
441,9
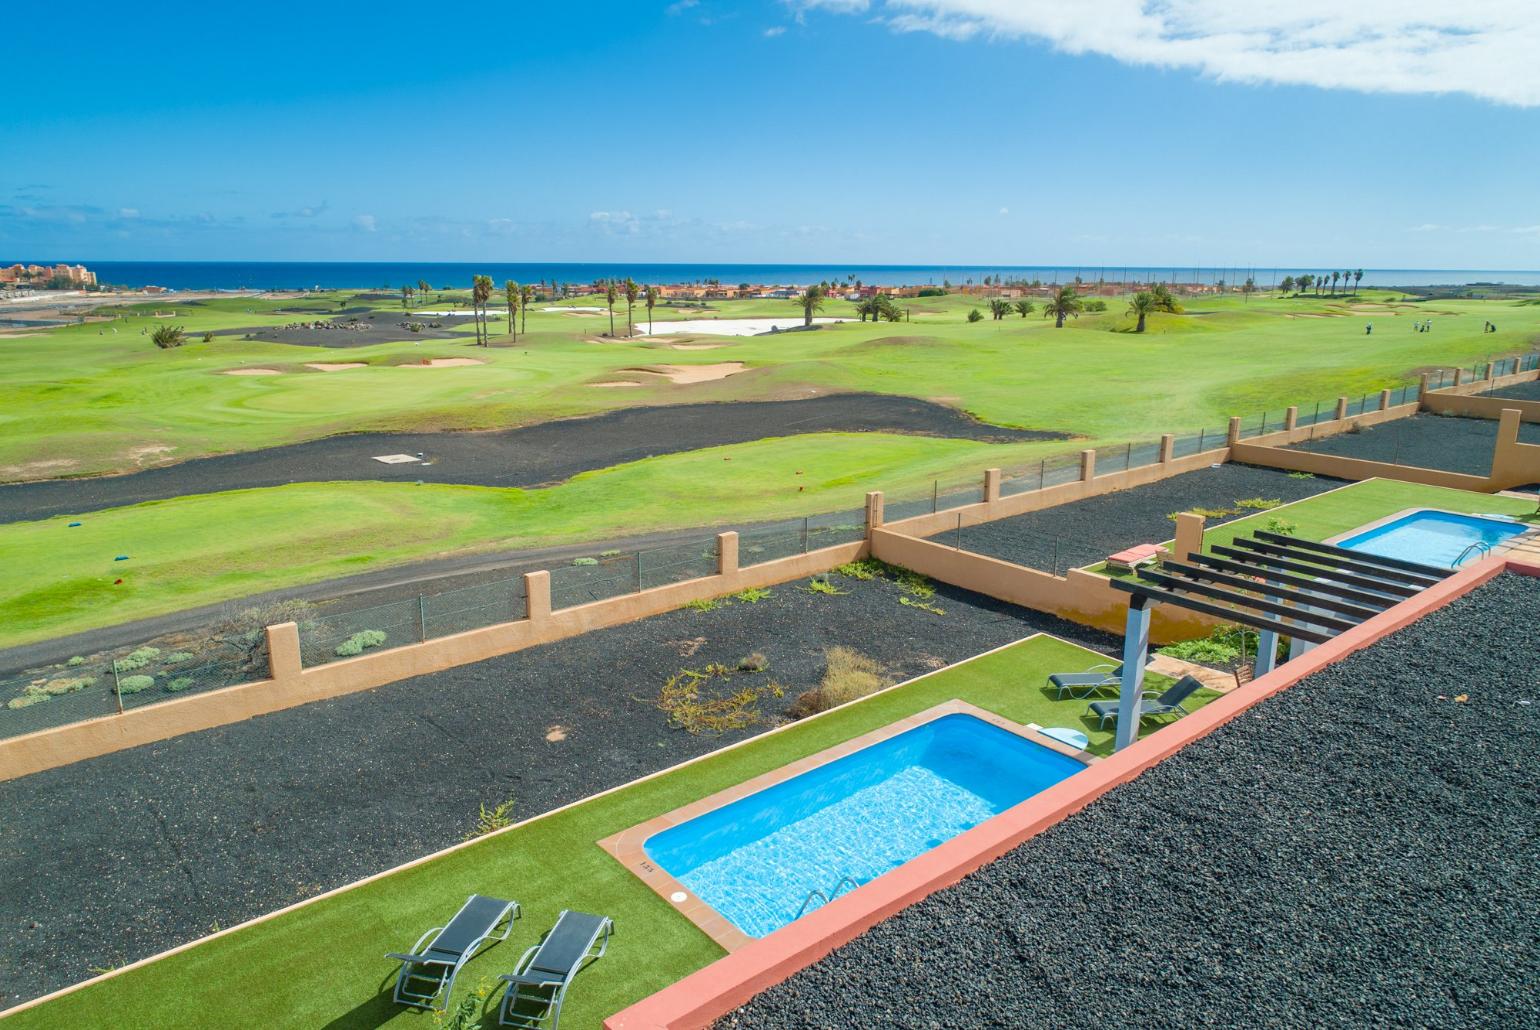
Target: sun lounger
428,971
1081,685
1165,704
538,985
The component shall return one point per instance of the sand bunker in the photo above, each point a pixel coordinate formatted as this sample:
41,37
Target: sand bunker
696,346
686,374
253,372
443,363
323,366
730,326
575,309
616,383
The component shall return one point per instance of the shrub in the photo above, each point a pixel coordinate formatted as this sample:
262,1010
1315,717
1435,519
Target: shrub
974,316
358,642
489,819
134,684
753,595
178,685
585,561
915,585
706,604
866,568
1281,526
138,659
848,674
77,660
167,336
821,585
1301,475
1214,513
681,698
243,631
755,662
1259,503
1096,306
55,688
208,337
611,553
717,669
924,606
1202,651
177,657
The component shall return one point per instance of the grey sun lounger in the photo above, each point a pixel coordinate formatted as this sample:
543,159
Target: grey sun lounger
1081,685
428,971
1165,704
538,985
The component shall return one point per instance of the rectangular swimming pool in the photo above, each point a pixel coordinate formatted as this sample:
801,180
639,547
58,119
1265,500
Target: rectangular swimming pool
1433,537
756,859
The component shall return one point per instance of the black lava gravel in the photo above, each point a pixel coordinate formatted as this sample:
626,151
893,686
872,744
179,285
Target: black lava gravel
1520,391
527,456
112,859
1424,441
1083,532
1360,850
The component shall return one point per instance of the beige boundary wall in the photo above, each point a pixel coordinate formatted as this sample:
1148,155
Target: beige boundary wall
1080,596
1465,400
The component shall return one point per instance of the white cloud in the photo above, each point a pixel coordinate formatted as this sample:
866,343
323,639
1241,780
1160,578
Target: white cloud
774,30
681,6
1484,48
616,221
1005,211
365,223
128,212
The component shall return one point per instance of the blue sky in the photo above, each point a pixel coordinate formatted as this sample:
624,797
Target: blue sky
891,131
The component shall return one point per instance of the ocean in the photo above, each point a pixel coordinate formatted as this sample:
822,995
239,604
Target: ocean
233,275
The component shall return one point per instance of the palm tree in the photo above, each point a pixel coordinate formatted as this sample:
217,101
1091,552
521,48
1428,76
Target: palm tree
651,298
1163,299
511,298
1358,274
423,288
1334,277
1064,303
526,298
406,297
1287,286
1143,305
167,336
609,297
632,292
481,292
1025,308
811,300
999,308
1303,283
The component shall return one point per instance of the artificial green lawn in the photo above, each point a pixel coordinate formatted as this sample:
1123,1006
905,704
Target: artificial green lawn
321,965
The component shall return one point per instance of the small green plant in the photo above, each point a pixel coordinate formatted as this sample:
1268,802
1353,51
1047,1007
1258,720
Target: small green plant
753,595
135,684
585,561
1213,513
611,553
69,685
924,606
208,337
706,604
489,819
866,568
1301,475
1281,526
681,698
77,660
821,585
27,698
177,657
718,669
178,685
755,662
359,642
975,316
1258,503
915,585
167,336
466,1014
138,659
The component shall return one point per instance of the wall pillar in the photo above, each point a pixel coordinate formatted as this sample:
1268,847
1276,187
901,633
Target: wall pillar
1490,370
1189,535
1087,466
1136,652
1291,417
1341,409
283,655
1234,435
537,596
1384,400
1459,376
1507,458
1422,387
727,553
991,485
873,511
1167,446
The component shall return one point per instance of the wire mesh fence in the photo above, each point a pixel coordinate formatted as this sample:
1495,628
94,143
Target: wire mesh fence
337,635
799,536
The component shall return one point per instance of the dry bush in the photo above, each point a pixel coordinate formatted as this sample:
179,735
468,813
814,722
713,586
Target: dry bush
848,675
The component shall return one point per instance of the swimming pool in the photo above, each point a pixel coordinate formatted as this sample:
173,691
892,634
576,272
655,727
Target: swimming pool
756,860
1434,537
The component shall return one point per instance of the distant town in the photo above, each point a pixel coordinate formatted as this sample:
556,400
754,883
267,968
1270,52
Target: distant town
49,277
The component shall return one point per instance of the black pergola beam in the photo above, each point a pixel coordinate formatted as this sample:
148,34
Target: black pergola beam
1400,590
1342,552
1335,564
1193,572
1219,611
1172,583
1379,601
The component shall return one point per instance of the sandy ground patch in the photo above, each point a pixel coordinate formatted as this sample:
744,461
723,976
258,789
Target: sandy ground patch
149,450
326,366
36,469
574,310
252,372
687,374
696,346
615,383
443,363
731,326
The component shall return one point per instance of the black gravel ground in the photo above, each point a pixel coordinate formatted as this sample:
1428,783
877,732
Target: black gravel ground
1521,391
1358,851
528,456
108,860
1087,531
384,327
1425,441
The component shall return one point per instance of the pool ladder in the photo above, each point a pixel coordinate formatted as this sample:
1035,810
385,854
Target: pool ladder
1480,547
833,892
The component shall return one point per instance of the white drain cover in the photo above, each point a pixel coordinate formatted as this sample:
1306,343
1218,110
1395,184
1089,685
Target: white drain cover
396,459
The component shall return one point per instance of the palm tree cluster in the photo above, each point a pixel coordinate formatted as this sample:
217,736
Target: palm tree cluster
481,292
406,296
1065,303
1325,282
880,307
512,295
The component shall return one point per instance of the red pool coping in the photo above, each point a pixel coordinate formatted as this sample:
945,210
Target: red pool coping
704,996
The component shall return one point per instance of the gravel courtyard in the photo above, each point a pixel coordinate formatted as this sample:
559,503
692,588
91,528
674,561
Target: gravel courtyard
1325,860
1425,441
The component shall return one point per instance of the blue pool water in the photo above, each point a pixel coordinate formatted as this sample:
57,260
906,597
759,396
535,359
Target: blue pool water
1433,537
756,859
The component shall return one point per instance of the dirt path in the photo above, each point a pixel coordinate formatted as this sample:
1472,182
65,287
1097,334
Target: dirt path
530,456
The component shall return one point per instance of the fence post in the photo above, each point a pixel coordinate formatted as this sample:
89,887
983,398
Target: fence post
1341,409
959,530
1291,417
1167,446
1087,466
727,553
1234,436
638,572
804,534
117,691
1042,471
1459,376
1128,456
991,485
873,511
283,653
1384,400
935,495
422,618
537,596
1202,432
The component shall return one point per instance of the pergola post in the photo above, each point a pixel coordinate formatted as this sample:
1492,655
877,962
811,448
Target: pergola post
1267,652
1136,653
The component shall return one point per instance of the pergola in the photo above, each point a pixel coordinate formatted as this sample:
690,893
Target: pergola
1280,586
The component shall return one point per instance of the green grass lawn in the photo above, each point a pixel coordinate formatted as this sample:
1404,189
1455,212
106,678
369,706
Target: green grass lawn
321,965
